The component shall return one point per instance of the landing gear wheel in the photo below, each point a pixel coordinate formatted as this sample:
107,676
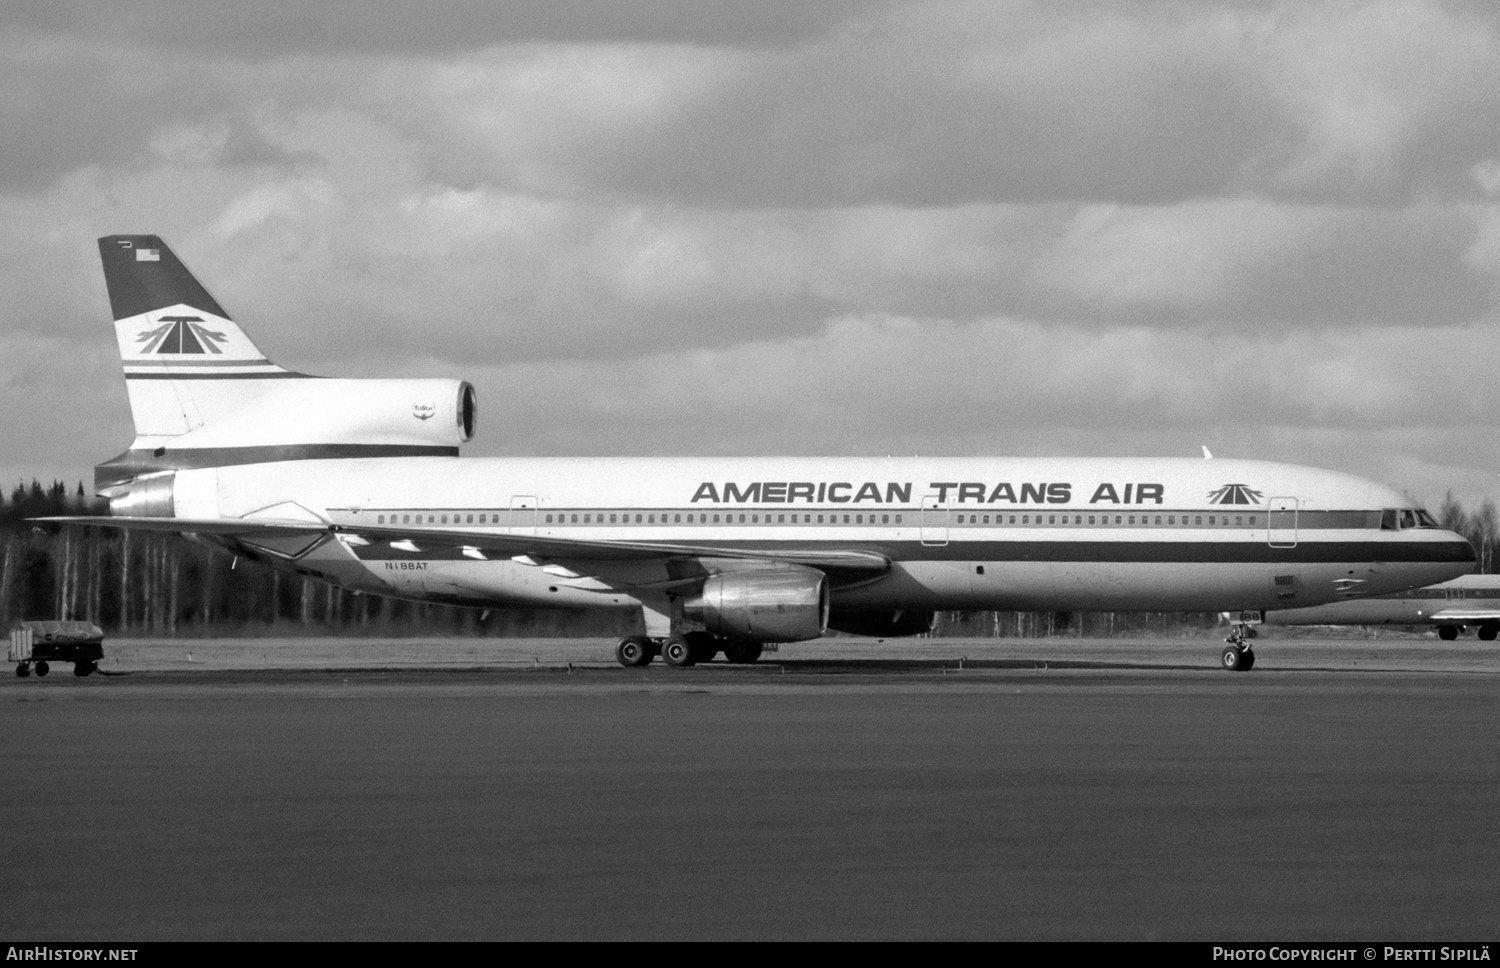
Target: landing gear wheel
1447,632
676,652
1487,632
742,653
1236,659
634,651
42,668
703,645
82,669
1247,661
22,670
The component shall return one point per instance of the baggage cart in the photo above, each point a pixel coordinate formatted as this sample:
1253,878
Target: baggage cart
33,645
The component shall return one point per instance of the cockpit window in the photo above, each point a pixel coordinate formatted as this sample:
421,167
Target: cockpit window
1399,519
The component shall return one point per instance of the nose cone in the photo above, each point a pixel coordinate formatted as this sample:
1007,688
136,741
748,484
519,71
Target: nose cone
1457,547
1446,555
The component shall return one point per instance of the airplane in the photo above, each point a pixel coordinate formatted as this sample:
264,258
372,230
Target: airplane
1470,600
359,482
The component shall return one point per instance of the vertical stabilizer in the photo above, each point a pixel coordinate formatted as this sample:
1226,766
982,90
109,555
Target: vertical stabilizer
186,363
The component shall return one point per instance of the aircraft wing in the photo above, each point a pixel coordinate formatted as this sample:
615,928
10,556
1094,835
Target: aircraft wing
485,545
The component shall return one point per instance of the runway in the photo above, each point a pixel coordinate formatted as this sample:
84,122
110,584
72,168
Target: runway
989,789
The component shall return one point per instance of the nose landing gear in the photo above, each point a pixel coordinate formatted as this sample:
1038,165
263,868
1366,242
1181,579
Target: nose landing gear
1237,656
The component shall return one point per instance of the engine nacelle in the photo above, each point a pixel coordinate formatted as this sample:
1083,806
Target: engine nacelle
764,606
296,412
883,625
146,497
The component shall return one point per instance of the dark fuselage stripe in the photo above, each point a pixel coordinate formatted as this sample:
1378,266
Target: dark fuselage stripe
135,462
1103,552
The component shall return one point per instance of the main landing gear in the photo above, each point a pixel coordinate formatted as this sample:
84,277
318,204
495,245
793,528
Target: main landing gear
1486,631
684,650
1237,656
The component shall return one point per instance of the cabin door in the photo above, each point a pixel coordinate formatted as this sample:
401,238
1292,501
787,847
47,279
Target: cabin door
1281,523
523,514
934,521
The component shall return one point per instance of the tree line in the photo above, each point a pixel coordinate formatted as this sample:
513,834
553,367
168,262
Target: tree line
159,584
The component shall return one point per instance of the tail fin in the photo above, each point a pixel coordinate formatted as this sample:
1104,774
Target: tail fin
204,396
184,358
186,363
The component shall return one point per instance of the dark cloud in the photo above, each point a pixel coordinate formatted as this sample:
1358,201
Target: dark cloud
274,28
84,107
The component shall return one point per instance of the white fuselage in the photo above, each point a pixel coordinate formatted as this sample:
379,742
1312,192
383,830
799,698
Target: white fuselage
992,533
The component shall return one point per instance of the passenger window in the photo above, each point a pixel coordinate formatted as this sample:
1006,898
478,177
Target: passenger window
549,519
885,519
1198,519
1012,519
898,519
382,520
677,518
1091,519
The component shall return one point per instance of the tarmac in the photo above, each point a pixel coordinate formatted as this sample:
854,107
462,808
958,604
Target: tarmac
303,789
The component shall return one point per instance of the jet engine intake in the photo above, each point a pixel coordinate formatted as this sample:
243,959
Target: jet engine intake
784,605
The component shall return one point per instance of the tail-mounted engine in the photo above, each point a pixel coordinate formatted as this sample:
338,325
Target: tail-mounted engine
331,411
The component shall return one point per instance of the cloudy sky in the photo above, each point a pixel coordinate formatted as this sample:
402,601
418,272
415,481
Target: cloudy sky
776,226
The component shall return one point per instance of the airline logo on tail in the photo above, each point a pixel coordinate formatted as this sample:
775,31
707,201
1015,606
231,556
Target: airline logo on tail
181,334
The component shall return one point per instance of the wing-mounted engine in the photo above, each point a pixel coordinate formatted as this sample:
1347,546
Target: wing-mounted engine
774,605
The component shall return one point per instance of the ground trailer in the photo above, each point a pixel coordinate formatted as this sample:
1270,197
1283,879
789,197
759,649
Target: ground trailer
34,645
